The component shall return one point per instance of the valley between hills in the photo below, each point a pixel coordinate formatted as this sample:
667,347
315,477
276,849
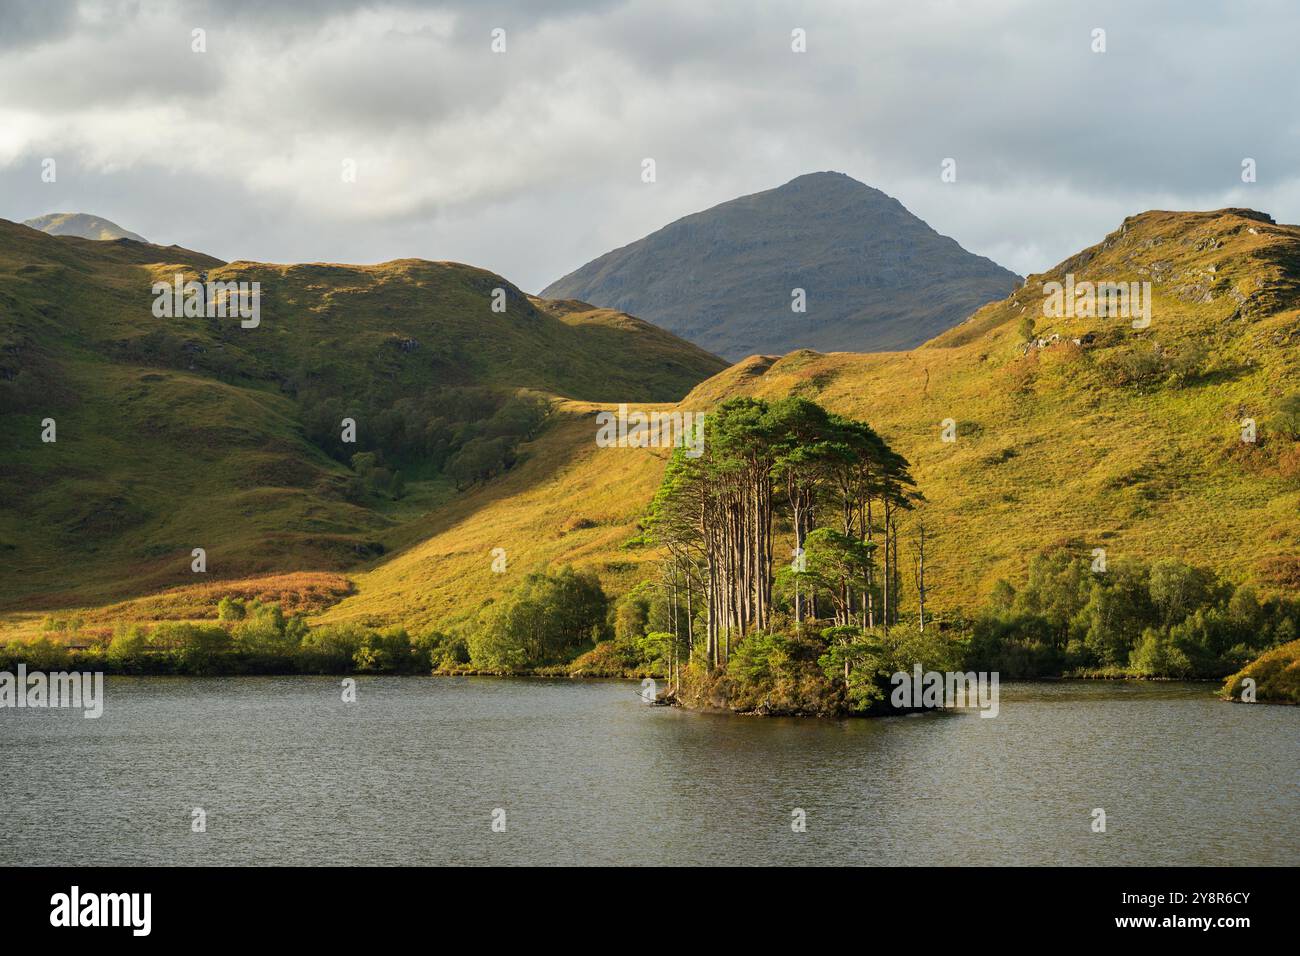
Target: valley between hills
1065,435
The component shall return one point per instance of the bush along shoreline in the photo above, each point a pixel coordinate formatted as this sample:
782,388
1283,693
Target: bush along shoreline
551,625
1275,676
1164,621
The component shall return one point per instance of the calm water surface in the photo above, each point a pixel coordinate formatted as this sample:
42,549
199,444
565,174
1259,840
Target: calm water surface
586,773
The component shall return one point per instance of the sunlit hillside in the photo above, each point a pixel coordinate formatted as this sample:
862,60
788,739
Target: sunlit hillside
1131,442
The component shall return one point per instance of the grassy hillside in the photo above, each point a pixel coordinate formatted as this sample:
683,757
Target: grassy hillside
569,503
1129,443
177,433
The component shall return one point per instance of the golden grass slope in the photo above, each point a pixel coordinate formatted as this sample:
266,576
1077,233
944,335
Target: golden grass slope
570,502
1049,450
1053,446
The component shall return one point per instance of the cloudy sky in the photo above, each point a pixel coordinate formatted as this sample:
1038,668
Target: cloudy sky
528,162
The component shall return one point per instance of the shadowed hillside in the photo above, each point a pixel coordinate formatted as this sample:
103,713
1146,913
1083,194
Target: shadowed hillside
185,432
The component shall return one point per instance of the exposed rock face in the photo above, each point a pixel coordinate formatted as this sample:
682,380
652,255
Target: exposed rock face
875,276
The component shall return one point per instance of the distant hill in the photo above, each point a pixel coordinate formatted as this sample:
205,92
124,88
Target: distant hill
82,225
876,278
185,432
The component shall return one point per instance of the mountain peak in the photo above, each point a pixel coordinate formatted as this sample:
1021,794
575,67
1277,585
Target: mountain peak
825,176
832,183
82,225
823,261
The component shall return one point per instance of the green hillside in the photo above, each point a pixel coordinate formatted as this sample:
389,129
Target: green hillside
1129,440
177,433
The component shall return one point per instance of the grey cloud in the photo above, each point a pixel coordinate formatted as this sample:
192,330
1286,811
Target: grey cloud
528,163
23,23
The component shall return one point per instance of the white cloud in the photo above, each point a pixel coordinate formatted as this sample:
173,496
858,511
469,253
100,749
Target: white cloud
528,162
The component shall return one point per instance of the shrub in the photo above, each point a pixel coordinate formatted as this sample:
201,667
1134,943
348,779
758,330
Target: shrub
654,649
542,621
632,616
774,673
129,647
1276,675
380,651
438,651
329,649
1141,364
1287,422
264,631
230,609
195,648
1157,656
40,654
754,658
1170,620
608,659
